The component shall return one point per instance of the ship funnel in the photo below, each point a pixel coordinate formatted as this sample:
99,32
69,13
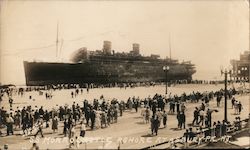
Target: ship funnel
136,48
107,47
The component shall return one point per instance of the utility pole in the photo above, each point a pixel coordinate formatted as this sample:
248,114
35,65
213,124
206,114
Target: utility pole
225,92
225,108
166,69
57,41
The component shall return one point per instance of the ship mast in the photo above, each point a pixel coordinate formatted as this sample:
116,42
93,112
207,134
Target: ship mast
57,41
169,41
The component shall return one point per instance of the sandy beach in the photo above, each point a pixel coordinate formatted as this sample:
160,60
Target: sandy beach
130,131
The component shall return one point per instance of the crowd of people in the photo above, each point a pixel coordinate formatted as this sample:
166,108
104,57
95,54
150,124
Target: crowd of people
95,115
20,90
101,113
218,130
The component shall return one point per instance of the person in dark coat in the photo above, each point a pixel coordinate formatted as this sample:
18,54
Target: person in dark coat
218,129
55,124
61,113
154,107
10,102
41,111
136,104
182,120
92,118
186,135
209,117
87,115
120,108
25,123
65,127
164,119
196,116
233,102
152,125
178,116
191,134
155,123
173,105
240,107
36,115
177,106
46,118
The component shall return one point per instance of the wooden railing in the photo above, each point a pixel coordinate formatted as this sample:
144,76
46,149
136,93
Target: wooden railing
231,128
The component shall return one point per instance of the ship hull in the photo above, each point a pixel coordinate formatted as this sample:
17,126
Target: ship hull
43,73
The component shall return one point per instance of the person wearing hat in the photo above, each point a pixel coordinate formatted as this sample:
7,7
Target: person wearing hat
240,107
39,126
164,115
9,124
10,102
196,116
55,123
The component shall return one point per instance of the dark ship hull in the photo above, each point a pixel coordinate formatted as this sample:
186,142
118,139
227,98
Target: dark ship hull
102,72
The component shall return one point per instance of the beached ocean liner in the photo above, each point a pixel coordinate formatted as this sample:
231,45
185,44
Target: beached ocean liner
106,66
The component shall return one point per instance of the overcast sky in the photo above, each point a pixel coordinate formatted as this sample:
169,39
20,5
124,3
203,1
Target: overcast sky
209,33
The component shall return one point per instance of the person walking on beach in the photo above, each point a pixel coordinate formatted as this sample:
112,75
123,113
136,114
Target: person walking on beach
203,107
17,119
25,124
87,115
72,132
82,129
54,124
233,102
173,107
183,107
154,107
240,107
10,102
121,108
164,115
92,118
65,127
218,99
39,126
177,107
236,107
182,120
103,119
201,114
154,124
196,116
46,118
147,115
9,124
178,117
136,105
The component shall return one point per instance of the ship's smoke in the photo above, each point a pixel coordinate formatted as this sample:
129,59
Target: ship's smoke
79,55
